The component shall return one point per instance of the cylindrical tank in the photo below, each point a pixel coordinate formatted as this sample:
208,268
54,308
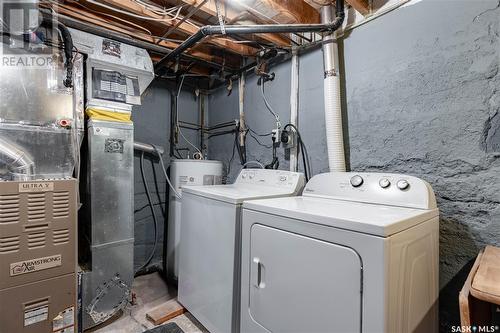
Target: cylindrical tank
185,172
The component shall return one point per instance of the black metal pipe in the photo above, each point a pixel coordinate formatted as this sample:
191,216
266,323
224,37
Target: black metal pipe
210,30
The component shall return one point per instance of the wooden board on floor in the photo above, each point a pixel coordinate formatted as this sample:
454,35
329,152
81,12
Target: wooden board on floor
165,312
465,299
486,283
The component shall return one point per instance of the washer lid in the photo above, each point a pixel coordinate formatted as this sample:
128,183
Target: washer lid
379,220
252,184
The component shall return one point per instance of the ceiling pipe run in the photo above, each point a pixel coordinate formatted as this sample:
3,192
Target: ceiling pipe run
229,30
333,109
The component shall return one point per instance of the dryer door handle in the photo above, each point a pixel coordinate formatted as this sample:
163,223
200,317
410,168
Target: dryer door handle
258,273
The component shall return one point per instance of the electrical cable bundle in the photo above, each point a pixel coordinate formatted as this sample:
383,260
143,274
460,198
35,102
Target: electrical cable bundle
275,163
302,149
242,149
151,205
155,219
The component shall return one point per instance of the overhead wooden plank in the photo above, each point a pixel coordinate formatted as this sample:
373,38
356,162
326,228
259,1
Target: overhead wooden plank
184,27
91,18
233,15
192,69
287,11
165,312
362,6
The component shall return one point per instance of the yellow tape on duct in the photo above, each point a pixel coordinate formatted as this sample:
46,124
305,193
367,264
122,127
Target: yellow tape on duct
101,114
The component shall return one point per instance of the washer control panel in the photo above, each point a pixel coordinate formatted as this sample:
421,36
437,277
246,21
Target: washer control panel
274,178
377,188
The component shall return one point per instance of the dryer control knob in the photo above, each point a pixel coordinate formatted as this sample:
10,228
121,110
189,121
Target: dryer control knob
384,183
356,181
403,184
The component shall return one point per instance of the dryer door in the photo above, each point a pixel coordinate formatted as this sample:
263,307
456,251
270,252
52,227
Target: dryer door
301,284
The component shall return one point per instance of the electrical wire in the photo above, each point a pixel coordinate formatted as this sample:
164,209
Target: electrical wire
259,143
109,15
242,149
155,220
231,159
156,9
268,105
161,203
254,132
275,163
177,117
253,162
167,178
142,17
305,155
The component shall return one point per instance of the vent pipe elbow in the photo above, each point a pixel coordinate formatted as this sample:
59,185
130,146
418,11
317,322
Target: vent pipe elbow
18,162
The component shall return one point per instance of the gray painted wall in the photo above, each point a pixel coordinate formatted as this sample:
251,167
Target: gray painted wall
152,125
223,108
422,90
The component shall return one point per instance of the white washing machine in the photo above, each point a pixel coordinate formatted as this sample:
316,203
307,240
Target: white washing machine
357,252
209,265
186,172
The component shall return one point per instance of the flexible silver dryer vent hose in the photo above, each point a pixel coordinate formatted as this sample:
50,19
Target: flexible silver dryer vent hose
17,161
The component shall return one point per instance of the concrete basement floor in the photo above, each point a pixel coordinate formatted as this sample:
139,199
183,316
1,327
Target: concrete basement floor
151,291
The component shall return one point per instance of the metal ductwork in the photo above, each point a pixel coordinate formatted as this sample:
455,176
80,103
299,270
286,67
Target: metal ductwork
19,164
148,148
229,30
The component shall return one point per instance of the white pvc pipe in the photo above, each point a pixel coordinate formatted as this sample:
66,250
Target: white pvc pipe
294,105
333,110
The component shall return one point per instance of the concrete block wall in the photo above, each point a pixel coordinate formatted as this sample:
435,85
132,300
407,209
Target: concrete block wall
422,89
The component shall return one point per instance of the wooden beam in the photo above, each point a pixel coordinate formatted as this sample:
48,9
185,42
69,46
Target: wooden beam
232,15
88,17
196,69
184,27
288,11
362,6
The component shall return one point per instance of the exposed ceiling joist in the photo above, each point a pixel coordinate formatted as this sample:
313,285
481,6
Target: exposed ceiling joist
362,6
91,18
184,27
232,16
288,11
